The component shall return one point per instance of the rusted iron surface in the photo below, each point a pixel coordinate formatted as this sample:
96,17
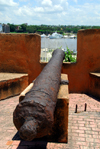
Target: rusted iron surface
34,116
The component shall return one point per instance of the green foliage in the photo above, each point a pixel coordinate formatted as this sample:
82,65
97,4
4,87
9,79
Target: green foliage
49,29
50,50
23,27
69,56
31,29
12,27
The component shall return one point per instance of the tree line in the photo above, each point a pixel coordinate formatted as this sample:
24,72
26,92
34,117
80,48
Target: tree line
48,29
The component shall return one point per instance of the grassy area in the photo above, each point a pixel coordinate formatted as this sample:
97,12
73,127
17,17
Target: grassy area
19,33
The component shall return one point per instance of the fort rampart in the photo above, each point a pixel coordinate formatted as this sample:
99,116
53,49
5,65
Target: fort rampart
20,53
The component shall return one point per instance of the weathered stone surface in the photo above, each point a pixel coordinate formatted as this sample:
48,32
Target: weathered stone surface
27,89
12,84
59,132
94,84
19,53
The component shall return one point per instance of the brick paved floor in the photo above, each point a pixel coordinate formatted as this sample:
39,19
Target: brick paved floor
83,127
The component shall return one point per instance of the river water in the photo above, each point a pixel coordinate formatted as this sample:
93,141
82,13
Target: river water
59,43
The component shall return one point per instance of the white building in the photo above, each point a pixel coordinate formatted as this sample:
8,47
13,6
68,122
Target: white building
0,27
4,28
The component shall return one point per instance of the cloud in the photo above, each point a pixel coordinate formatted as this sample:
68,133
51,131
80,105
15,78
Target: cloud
39,9
31,11
84,14
24,11
23,0
50,12
67,4
7,3
75,1
58,8
46,3
54,9
62,1
7,10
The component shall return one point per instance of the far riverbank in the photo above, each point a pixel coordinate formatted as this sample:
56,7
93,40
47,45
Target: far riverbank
48,45
59,43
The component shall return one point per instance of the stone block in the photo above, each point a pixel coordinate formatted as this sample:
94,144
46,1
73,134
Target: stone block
59,131
12,84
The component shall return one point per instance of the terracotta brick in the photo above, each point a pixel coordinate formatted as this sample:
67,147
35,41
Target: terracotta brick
88,136
75,134
74,127
12,84
81,143
77,119
14,147
81,125
95,129
91,132
83,147
10,130
96,145
81,139
82,122
81,135
90,139
97,140
79,131
16,143
74,141
9,143
85,128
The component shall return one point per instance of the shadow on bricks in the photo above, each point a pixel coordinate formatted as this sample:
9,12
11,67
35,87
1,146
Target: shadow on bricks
35,144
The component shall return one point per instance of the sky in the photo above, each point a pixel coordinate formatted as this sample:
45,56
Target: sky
50,12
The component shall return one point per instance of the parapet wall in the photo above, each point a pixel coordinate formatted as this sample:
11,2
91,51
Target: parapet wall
20,53
88,60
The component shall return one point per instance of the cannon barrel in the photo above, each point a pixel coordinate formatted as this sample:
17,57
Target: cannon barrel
34,116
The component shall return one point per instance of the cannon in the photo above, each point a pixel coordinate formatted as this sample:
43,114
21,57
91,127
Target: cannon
34,115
